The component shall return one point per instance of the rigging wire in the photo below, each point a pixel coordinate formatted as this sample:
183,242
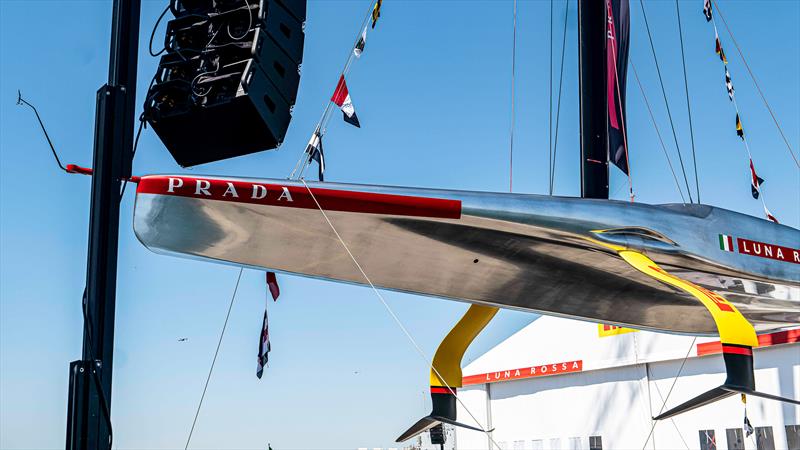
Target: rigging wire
303,162
664,93
558,107
214,361
688,102
513,83
394,315
671,419
550,97
674,380
755,81
658,133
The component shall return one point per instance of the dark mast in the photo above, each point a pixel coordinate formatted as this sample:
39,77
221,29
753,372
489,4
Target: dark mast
593,101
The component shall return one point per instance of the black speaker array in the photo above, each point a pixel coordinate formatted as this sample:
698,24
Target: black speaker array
228,78
437,434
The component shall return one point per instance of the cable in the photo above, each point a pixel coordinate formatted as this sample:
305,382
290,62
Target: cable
658,133
142,124
249,25
22,101
392,313
755,81
664,93
558,107
675,380
87,328
671,419
688,102
214,361
513,82
153,34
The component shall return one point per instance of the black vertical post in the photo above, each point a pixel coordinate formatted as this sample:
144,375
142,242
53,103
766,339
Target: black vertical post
87,425
593,101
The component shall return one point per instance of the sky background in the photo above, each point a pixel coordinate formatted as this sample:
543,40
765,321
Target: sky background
432,92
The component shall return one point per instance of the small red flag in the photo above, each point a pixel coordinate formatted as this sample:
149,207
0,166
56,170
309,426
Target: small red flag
272,285
769,215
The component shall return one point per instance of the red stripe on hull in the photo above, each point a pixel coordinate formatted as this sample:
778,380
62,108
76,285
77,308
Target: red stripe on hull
291,196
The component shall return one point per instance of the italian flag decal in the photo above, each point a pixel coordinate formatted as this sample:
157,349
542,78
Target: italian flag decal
725,242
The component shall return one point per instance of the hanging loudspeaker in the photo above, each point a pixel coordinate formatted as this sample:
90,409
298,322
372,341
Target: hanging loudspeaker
228,81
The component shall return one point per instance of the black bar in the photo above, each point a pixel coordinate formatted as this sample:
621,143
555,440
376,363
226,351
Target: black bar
79,383
122,68
113,154
593,101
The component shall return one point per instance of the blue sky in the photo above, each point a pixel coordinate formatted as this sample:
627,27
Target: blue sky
432,92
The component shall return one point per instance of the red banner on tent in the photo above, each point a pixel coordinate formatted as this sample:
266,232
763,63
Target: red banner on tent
526,372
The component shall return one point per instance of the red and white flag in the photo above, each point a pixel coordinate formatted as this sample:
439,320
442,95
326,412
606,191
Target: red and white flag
755,181
769,215
342,99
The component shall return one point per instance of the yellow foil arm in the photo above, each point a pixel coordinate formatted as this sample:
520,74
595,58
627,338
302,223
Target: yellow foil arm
733,327
447,360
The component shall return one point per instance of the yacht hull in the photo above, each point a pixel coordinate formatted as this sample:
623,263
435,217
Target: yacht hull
543,254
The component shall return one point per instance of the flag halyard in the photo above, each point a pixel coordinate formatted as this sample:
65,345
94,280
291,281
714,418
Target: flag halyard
755,180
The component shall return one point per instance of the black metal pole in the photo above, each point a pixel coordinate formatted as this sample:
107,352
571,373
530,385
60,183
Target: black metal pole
87,424
593,101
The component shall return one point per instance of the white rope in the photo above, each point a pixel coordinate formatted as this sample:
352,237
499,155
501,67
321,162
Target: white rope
671,419
513,83
214,361
394,316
